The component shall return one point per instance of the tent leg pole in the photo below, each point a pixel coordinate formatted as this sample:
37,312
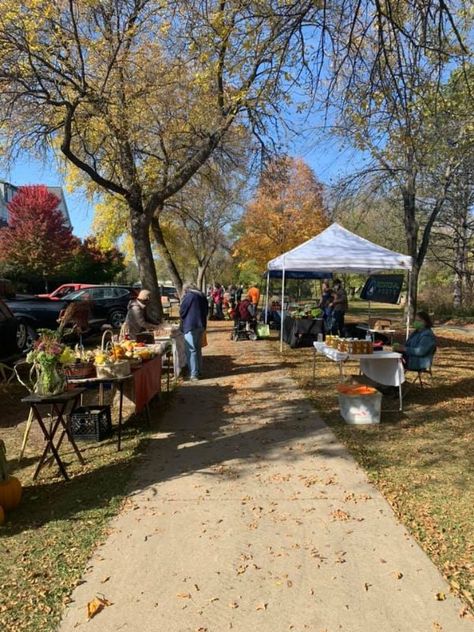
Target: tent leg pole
409,304
266,298
282,308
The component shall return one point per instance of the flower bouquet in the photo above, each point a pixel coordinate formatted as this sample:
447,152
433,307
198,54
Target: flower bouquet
47,359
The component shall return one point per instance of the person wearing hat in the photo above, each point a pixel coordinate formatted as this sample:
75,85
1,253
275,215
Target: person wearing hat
136,320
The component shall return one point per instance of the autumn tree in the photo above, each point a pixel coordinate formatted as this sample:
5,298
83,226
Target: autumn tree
137,94
89,262
38,238
286,210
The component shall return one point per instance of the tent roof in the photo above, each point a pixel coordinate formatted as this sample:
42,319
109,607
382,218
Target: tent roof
337,249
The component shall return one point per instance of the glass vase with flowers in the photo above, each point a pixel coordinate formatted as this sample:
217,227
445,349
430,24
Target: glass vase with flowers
47,358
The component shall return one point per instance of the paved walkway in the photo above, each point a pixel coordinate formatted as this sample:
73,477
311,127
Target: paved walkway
248,515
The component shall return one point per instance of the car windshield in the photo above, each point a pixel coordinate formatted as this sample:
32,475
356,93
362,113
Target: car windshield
63,291
75,296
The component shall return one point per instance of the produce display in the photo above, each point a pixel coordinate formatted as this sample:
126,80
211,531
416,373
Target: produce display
307,311
350,345
116,352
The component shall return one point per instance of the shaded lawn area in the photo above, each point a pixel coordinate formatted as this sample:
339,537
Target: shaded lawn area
46,542
421,459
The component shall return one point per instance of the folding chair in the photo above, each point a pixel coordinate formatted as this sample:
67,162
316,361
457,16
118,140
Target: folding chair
421,372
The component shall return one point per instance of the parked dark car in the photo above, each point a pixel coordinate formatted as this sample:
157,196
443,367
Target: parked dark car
109,302
10,334
33,313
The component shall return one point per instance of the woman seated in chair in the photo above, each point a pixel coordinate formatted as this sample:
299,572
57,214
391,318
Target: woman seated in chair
420,347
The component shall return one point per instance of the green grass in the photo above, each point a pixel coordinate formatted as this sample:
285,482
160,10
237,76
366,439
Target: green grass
421,459
46,542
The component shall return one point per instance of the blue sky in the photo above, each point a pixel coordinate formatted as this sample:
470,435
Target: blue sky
326,155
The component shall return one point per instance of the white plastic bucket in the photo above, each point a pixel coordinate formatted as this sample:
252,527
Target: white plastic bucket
360,409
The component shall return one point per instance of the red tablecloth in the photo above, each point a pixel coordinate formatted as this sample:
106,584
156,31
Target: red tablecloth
146,383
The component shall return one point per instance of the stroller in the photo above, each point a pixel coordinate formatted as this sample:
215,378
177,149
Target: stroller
245,322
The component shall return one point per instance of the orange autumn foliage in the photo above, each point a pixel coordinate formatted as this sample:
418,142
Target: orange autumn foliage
287,209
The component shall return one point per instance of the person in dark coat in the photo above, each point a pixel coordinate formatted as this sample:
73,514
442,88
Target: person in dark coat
193,312
339,308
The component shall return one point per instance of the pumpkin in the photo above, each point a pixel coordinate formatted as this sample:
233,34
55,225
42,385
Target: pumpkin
10,487
2,515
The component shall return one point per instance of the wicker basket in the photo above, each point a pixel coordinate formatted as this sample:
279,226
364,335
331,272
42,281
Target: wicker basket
113,370
80,370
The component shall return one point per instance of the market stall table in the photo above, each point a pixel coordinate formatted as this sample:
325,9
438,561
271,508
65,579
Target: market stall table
300,332
58,405
100,382
382,367
140,387
177,351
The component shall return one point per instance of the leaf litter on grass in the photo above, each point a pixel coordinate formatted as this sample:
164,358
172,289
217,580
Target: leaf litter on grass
420,460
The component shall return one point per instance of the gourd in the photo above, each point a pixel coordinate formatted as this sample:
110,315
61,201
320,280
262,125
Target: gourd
10,487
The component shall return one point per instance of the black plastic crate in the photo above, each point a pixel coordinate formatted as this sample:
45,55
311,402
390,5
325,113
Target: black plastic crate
91,423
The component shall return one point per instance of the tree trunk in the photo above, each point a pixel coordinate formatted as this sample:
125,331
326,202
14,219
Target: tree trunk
461,250
165,253
411,232
458,271
140,229
201,276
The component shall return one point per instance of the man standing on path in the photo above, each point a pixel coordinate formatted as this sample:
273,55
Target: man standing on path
193,313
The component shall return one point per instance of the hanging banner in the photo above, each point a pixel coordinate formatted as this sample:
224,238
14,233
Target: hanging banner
382,288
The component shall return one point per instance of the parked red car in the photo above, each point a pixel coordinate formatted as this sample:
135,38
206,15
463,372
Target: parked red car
63,290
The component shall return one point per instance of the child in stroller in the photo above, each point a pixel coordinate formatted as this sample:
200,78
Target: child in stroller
245,321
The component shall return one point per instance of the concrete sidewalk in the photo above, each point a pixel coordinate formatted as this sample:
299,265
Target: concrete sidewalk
248,515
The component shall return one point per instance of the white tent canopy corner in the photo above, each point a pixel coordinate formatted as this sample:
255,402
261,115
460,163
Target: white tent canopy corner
338,250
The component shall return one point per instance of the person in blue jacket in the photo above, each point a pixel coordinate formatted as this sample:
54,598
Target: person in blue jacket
420,347
193,312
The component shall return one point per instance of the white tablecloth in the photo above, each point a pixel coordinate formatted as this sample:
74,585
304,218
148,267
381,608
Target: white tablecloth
383,367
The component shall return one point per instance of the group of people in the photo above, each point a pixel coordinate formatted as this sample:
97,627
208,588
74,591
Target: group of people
334,306
227,303
195,309
417,352
193,313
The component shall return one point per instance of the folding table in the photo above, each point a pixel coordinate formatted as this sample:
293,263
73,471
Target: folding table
58,405
382,367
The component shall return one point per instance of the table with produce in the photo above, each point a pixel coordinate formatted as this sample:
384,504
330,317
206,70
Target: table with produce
137,361
301,326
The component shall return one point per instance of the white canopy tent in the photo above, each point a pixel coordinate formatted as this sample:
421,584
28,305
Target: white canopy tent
336,249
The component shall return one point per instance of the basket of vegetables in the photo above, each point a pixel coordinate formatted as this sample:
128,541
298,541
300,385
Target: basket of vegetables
80,364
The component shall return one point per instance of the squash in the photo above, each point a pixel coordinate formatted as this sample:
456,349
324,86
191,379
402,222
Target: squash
10,487
2,516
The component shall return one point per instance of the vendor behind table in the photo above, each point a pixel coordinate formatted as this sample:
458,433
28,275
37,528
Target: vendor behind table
137,320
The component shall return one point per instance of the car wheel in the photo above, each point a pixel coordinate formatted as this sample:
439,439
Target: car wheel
25,337
116,318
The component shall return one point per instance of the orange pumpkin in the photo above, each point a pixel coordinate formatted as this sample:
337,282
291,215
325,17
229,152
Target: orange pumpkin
10,487
2,515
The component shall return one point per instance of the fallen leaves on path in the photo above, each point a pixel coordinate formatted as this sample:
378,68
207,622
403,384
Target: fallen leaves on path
261,606
340,515
440,596
97,605
184,595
